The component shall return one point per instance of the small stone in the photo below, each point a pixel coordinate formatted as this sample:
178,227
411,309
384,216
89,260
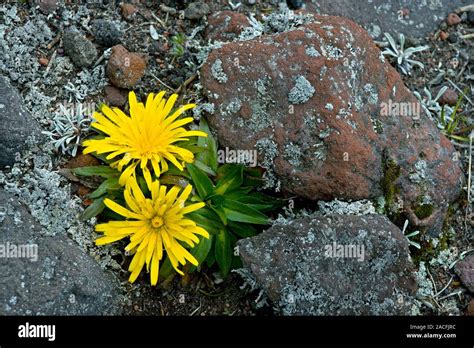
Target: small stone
470,307
453,37
82,160
106,33
125,68
450,97
196,10
465,270
251,2
470,17
114,96
47,6
168,9
294,4
225,26
443,35
43,61
453,19
81,51
128,11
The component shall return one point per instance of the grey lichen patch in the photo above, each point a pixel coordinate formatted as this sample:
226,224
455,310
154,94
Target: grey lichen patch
268,151
261,118
218,72
363,207
312,51
203,107
372,95
418,174
301,92
234,105
292,154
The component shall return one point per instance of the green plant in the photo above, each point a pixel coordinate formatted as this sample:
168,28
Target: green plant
178,47
450,123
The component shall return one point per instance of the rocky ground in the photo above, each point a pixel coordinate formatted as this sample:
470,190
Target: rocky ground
303,88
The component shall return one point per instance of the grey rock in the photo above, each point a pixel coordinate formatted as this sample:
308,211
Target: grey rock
106,33
16,124
196,10
423,16
81,51
293,264
465,270
57,279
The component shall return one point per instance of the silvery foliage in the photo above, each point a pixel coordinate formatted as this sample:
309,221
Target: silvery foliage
432,107
70,127
402,55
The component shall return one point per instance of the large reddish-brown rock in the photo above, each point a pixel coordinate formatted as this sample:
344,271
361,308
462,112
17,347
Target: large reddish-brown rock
226,25
311,100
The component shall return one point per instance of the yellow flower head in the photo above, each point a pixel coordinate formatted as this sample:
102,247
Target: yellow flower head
154,223
150,133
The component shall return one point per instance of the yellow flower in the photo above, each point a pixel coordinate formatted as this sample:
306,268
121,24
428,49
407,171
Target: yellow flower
150,133
154,223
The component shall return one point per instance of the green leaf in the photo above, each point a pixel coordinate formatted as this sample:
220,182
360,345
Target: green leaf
231,179
208,157
93,210
201,250
204,168
201,181
239,212
166,268
211,257
242,230
103,171
223,252
260,202
219,211
111,184
172,170
207,219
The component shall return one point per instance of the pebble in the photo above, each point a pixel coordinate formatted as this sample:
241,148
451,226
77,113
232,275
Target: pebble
450,97
81,51
43,61
470,17
128,11
106,33
443,35
196,10
47,6
125,68
114,96
453,37
168,9
453,19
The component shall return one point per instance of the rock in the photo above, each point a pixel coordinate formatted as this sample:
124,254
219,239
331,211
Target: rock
46,6
125,68
318,104
43,61
128,11
453,37
453,19
443,36
470,307
470,17
450,97
294,4
54,277
16,124
333,265
81,51
196,10
465,271
114,96
225,25
106,32
81,160
382,16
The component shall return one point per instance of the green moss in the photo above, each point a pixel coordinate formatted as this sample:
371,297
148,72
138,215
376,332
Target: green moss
422,211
